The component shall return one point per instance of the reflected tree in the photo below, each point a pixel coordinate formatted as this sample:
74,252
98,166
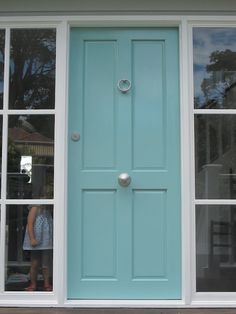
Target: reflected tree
2,47
221,80
32,69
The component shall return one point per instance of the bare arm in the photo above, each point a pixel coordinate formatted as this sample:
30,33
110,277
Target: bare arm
30,221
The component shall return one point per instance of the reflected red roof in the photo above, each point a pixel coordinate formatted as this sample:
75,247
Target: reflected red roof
21,135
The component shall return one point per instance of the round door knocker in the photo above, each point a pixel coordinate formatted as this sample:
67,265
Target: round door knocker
124,85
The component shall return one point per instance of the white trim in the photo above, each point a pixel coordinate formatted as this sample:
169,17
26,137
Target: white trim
29,201
215,202
92,20
124,21
30,111
214,299
185,164
214,111
61,163
211,20
192,164
29,22
125,303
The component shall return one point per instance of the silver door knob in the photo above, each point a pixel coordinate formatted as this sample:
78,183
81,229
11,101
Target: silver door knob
75,136
124,179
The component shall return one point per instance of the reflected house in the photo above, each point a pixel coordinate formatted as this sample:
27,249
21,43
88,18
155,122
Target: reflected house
215,145
41,148
215,151
215,173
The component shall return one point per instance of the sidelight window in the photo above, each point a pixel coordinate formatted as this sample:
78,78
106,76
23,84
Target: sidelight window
214,56
27,120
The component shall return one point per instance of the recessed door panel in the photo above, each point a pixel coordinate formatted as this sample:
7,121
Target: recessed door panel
149,246
98,238
99,100
148,77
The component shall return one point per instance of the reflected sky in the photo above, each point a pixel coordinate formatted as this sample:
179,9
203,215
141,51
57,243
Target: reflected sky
207,40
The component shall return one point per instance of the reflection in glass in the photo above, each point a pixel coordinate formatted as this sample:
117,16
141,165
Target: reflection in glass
2,47
215,161
29,248
0,149
30,164
216,248
32,69
214,58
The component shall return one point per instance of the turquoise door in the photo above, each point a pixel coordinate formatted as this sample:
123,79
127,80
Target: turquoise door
124,241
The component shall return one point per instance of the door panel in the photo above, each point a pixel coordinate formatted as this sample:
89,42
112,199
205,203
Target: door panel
148,248
98,234
124,242
99,101
148,77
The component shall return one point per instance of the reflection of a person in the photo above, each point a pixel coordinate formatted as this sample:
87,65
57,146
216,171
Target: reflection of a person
39,240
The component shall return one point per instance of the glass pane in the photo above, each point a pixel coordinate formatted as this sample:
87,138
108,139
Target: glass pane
30,156
32,69
29,248
2,53
215,161
216,248
214,58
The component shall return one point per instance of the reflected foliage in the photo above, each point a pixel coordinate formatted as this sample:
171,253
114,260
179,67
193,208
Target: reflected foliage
214,55
32,69
2,47
221,80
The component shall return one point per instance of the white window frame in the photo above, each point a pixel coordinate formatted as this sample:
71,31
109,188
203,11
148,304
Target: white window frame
10,298
205,299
